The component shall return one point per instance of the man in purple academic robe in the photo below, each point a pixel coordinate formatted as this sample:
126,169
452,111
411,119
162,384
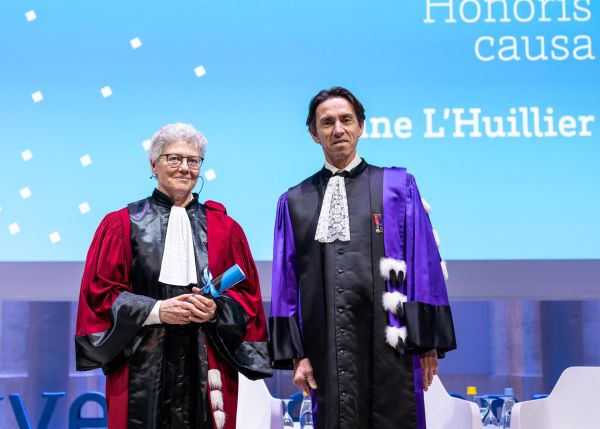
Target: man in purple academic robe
359,305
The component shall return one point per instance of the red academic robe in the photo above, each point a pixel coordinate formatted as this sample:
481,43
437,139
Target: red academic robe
107,275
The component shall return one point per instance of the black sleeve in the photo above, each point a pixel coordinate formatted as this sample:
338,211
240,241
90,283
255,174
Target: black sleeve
286,342
251,358
429,327
110,349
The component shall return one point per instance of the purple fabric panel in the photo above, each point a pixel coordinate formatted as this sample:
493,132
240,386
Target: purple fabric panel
393,221
393,212
313,401
284,290
419,398
424,275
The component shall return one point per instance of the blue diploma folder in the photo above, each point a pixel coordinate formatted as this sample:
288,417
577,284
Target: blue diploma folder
229,278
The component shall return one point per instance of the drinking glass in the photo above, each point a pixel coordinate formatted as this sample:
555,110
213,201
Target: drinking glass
288,423
483,404
485,409
490,421
506,412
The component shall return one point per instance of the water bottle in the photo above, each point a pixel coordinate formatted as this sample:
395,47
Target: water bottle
306,416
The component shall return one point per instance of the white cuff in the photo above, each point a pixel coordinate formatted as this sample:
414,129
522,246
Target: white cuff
154,316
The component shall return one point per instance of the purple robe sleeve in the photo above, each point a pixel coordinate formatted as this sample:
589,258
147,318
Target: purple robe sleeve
427,312
284,323
425,279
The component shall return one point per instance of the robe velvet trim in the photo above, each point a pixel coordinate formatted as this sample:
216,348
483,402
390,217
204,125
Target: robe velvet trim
107,276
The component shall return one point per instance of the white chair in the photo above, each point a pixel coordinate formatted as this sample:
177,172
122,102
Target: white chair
571,405
257,409
443,411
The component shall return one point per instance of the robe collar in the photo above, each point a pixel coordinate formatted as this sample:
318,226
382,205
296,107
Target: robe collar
164,200
326,173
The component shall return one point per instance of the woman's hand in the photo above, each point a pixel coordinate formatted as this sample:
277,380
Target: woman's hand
203,309
176,311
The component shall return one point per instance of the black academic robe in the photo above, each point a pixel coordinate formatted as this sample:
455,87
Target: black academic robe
327,307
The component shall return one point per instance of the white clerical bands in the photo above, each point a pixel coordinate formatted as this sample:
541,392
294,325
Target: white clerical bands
216,397
178,265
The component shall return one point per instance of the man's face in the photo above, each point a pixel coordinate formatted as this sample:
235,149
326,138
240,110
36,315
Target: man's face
337,131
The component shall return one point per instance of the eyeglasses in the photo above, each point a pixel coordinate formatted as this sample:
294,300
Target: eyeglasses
174,160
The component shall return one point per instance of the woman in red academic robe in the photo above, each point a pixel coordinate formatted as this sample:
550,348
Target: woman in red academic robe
171,356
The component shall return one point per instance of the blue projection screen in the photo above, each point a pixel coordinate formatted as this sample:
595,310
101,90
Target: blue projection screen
492,105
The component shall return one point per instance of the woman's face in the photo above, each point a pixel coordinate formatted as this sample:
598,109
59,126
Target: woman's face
176,182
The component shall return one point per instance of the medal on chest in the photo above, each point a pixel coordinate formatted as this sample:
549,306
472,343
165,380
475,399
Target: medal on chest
378,221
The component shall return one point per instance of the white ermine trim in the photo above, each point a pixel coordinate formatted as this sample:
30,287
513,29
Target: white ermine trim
426,205
214,379
219,419
387,264
392,334
391,300
216,400
436,237
444,270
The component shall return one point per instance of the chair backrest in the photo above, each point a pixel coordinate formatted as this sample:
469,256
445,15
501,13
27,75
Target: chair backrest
575,394
567,406
442,411
257,409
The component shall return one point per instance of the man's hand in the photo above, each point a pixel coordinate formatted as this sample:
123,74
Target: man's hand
176,311
303,375
429,367
203,308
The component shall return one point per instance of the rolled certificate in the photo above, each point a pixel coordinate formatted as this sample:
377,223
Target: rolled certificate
228,279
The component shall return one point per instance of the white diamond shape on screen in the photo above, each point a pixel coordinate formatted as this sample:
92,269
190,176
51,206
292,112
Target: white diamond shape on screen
135,43
200,71
30,15
84,208
37,96
106,91
26,155
85,160
146,145
210,174
25,192
54,237
14,228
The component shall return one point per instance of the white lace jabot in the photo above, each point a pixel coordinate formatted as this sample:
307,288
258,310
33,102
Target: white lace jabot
334,222
178,266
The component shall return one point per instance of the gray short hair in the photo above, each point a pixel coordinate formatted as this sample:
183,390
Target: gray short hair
171,133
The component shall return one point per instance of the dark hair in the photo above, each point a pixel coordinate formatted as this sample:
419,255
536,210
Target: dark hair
335,92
